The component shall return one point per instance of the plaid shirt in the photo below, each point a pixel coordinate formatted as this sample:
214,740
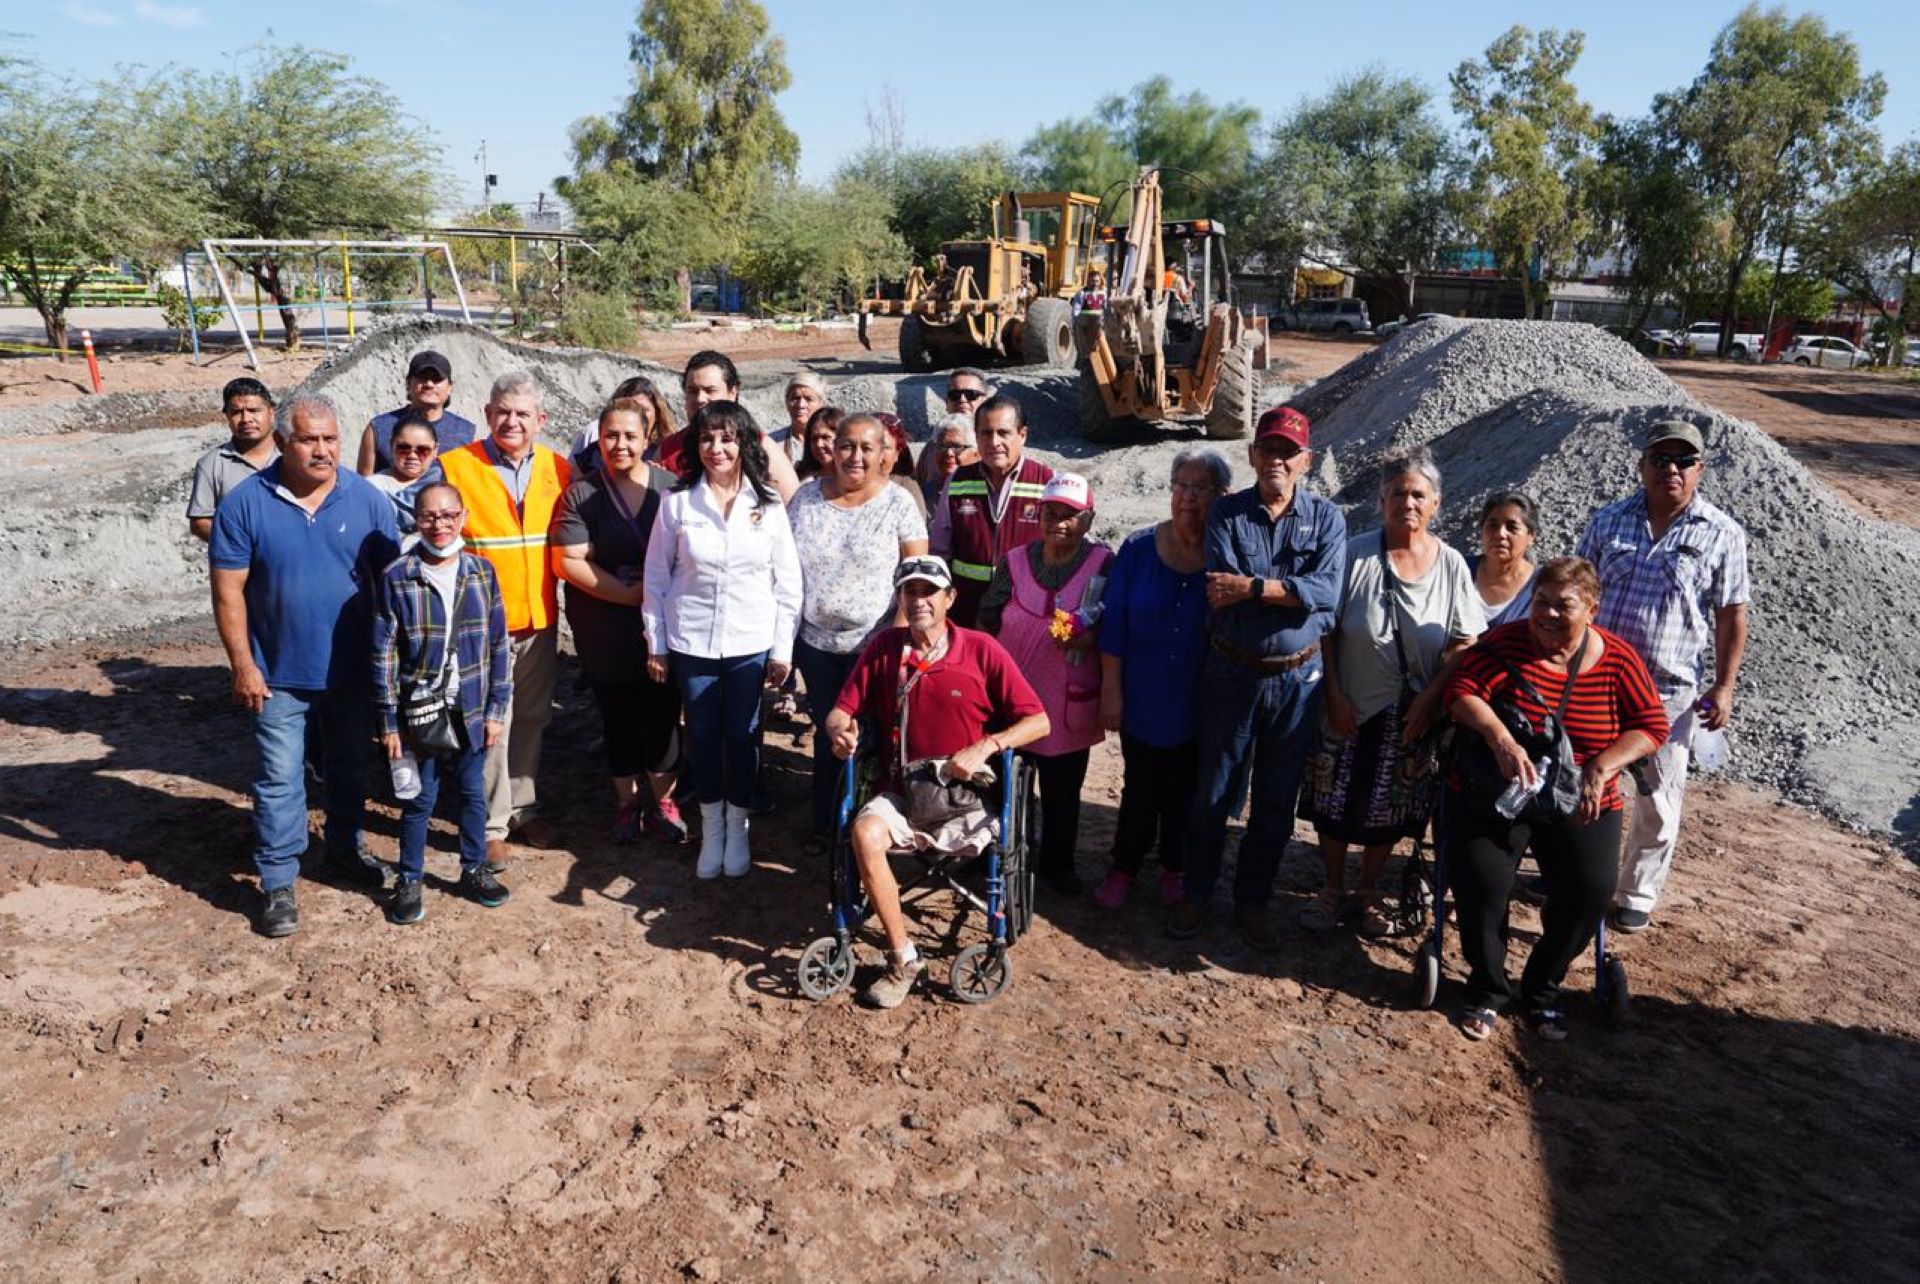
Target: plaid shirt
1660,595
409,632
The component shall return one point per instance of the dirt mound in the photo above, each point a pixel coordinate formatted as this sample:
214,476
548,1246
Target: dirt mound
1828,711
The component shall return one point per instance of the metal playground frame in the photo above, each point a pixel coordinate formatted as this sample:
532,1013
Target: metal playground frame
214,248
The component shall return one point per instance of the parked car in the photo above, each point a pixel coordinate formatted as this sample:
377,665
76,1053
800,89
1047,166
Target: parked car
1702,339
1333,316
1652,343
1387,329
1827,352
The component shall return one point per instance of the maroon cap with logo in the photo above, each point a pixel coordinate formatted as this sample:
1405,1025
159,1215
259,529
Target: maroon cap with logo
1283,421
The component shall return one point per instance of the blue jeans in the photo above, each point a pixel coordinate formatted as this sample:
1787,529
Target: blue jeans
722,699
824,672
467,769
1257,731
345,719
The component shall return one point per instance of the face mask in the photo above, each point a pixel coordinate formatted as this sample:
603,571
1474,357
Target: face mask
442,554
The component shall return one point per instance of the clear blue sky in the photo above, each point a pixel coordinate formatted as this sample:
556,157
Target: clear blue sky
517,74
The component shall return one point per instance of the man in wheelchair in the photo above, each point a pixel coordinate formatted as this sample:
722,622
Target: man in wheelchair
941,702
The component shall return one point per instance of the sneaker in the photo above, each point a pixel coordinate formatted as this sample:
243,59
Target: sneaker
280,915
664,822
479,885
496,856
1549,1023
1112,892
405,905
1255,930
894,985
1173,888
1185,920
1628,921
536,832
626,822
357,868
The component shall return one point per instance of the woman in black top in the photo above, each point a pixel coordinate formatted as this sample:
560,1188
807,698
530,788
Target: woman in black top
599,542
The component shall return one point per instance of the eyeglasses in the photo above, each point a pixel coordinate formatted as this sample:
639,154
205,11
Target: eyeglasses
439,519
1195,488
966,394
400,449
950,447
1679,463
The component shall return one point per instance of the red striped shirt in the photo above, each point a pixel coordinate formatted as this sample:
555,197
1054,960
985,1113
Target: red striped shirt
1609,699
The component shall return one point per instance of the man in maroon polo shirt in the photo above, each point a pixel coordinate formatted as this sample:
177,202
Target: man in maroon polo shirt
942,699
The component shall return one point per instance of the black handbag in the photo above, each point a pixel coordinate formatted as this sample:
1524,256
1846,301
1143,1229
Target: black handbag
1479,773
428,716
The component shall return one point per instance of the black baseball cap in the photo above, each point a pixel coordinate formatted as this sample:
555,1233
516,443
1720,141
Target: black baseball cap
430,360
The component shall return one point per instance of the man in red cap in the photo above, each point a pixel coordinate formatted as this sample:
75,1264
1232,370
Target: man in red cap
1276,560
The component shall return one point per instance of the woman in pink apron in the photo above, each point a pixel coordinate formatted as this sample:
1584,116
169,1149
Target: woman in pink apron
1044,605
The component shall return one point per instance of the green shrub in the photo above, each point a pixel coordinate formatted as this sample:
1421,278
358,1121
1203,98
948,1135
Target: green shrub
597,321
173,308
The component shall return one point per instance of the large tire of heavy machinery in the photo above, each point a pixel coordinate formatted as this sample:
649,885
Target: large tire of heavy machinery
1232,415
1047,337
915,355
1094,423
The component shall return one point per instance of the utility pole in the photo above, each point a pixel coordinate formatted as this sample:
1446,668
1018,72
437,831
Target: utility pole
485,179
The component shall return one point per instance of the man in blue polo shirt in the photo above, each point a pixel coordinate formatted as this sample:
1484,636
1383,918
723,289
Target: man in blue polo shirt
1276,562
295,551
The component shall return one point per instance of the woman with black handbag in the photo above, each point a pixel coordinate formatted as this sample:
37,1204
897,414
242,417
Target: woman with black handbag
1407,611
1552,689
443,681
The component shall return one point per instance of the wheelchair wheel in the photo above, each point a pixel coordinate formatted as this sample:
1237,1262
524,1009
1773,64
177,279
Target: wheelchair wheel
980,973
1016,856
825,967
1610,987
1426,975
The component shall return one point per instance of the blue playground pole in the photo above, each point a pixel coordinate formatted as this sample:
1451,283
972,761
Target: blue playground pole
193,317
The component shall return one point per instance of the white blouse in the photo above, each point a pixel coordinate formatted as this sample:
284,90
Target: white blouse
721,585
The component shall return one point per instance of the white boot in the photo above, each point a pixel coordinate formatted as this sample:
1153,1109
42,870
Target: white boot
713,840
738,857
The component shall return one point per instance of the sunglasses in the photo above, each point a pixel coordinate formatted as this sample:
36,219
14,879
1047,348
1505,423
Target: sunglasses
1679,463
950,447
400,449
965,394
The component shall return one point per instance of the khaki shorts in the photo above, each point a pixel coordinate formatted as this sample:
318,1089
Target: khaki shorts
970,831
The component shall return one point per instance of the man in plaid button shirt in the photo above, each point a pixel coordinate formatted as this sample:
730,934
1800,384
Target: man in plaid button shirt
1673,569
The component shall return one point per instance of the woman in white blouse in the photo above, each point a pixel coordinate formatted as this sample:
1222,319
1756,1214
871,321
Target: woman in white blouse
721,604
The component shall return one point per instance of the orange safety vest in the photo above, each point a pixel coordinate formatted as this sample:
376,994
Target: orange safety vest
512,537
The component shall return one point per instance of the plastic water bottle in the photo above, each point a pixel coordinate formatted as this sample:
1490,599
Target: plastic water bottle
406,776
1707,746
1519,793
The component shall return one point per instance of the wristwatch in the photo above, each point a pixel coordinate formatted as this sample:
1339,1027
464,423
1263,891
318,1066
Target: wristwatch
1256,590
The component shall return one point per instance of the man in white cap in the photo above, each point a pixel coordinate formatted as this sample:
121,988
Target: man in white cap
1673,569
939,701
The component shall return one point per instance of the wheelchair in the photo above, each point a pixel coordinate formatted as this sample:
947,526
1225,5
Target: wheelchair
998,882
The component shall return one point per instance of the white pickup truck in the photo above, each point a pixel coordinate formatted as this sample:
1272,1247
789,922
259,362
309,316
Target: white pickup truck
1702,339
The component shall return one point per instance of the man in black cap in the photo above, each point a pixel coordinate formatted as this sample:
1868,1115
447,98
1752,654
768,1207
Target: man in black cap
429,389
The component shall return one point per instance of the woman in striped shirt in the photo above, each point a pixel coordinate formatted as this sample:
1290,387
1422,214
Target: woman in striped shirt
1613,718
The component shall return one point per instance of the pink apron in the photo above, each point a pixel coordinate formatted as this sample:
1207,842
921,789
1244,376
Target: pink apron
1070,691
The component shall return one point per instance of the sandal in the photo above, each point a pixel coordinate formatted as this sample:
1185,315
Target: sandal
1549,1023
1478,1023
1375,923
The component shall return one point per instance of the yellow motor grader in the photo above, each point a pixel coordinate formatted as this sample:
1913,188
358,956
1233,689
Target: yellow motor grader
1007,297
1169,342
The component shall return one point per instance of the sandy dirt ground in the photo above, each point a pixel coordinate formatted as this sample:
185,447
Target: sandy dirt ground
612,1078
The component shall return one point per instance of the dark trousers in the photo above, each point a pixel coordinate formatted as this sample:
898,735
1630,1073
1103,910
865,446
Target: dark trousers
1579,864
1061,776
1155,799
467,771
1254,732
723,724
824,672
637,722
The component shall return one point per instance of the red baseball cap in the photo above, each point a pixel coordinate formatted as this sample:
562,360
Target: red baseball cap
1283,421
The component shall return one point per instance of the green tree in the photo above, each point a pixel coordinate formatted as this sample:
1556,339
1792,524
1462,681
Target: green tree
81,183
1203,150
702,116
931,194
1356,178
1780,110
292,148
1867,237
647,232
1531,142
1648,209
807,247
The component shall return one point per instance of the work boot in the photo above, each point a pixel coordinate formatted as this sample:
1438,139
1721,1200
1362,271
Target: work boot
496,855
1255,930
536,832
405,905
279,915
476,884
357,868
713,840
739,857
895,984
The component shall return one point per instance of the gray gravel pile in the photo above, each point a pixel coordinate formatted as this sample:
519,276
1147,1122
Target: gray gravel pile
1828,711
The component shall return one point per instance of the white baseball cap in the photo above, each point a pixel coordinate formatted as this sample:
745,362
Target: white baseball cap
1070,489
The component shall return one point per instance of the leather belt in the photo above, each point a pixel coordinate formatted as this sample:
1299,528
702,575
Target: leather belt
1264,664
